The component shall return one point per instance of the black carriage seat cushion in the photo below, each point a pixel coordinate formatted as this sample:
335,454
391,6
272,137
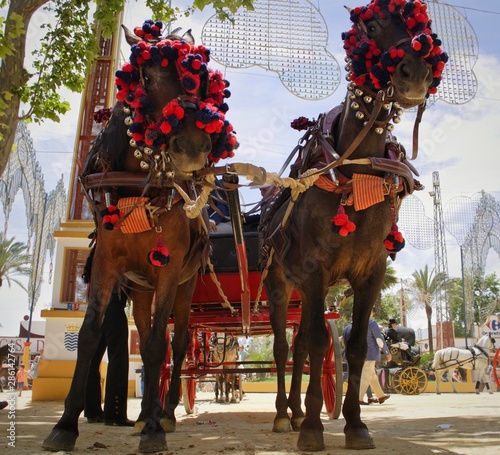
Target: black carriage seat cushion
224,257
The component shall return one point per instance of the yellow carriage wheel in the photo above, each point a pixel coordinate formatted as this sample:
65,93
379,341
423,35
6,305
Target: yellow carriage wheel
411,381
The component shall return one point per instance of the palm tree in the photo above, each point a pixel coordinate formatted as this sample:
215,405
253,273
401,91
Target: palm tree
14,260
423,289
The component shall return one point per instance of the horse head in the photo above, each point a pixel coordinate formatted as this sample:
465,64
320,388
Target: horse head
487,342
173,103
391,47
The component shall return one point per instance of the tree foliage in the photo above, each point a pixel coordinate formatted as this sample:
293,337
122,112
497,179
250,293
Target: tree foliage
14,261
385,307
486,295
423,288
64,54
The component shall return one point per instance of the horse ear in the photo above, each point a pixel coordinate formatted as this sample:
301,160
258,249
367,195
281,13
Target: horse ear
130,37
348,8
188,37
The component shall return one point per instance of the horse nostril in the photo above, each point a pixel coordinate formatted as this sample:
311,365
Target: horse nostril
404,69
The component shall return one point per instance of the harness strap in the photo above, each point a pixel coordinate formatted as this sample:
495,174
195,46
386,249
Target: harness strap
418,119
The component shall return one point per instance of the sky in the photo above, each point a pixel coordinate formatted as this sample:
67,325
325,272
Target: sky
461,142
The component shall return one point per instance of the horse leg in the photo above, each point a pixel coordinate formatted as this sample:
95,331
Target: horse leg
180,341
453,387
153,353
216,388
64,434
279,292
356,432
142,303
234,398
439,377
299,359
311,429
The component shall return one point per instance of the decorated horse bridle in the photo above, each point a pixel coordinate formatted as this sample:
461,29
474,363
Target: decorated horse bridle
150,139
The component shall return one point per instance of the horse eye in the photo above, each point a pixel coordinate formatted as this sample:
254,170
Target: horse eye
147,79
372,29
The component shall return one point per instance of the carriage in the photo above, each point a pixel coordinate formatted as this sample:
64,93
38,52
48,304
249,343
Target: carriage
229,302
403,374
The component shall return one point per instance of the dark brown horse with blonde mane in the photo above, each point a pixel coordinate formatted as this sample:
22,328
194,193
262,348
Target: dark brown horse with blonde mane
169,122
344,226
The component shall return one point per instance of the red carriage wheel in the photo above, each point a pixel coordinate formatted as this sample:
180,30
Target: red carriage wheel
496,361
165,371
188,391
331,379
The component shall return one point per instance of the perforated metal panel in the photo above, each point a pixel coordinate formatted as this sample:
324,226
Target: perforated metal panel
459,83
288,37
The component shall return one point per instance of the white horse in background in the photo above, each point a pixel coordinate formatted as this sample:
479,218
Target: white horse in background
475,358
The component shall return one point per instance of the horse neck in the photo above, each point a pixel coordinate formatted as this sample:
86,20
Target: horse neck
349,128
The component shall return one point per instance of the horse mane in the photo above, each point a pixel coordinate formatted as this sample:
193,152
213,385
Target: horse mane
109,147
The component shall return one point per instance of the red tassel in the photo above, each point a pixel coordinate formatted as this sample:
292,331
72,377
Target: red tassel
159,255
341,224
394,242
110,216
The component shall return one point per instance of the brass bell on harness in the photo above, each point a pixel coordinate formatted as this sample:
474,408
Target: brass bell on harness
128,121
137,153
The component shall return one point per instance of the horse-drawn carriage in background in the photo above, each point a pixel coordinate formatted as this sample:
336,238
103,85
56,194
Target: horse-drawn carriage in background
403,374
229,301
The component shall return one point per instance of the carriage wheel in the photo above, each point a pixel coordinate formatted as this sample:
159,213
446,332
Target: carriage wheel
331,379
411,381
396,382
496,365
188,394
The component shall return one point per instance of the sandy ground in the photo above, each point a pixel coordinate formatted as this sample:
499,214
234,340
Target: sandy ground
425,424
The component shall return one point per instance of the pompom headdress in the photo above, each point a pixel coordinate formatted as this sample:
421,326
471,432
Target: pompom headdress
192,65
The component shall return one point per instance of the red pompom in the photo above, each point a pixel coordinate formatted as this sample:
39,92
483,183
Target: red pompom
341,224
110,216
394,242
159,255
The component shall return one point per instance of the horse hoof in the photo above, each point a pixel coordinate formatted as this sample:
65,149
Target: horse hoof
282,425
168,425
139,425
60,440
296,423
311,440
153,442
358,439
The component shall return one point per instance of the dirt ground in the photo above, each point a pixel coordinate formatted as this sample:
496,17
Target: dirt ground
425,424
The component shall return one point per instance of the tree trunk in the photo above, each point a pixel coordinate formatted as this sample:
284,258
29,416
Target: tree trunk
428,311
13,75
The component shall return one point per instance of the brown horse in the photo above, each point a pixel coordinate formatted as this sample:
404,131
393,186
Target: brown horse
344,226
169,122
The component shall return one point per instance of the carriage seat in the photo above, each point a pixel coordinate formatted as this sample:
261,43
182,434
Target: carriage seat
223,255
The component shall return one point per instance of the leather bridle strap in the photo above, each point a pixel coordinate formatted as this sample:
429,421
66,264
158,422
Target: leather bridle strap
418,119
